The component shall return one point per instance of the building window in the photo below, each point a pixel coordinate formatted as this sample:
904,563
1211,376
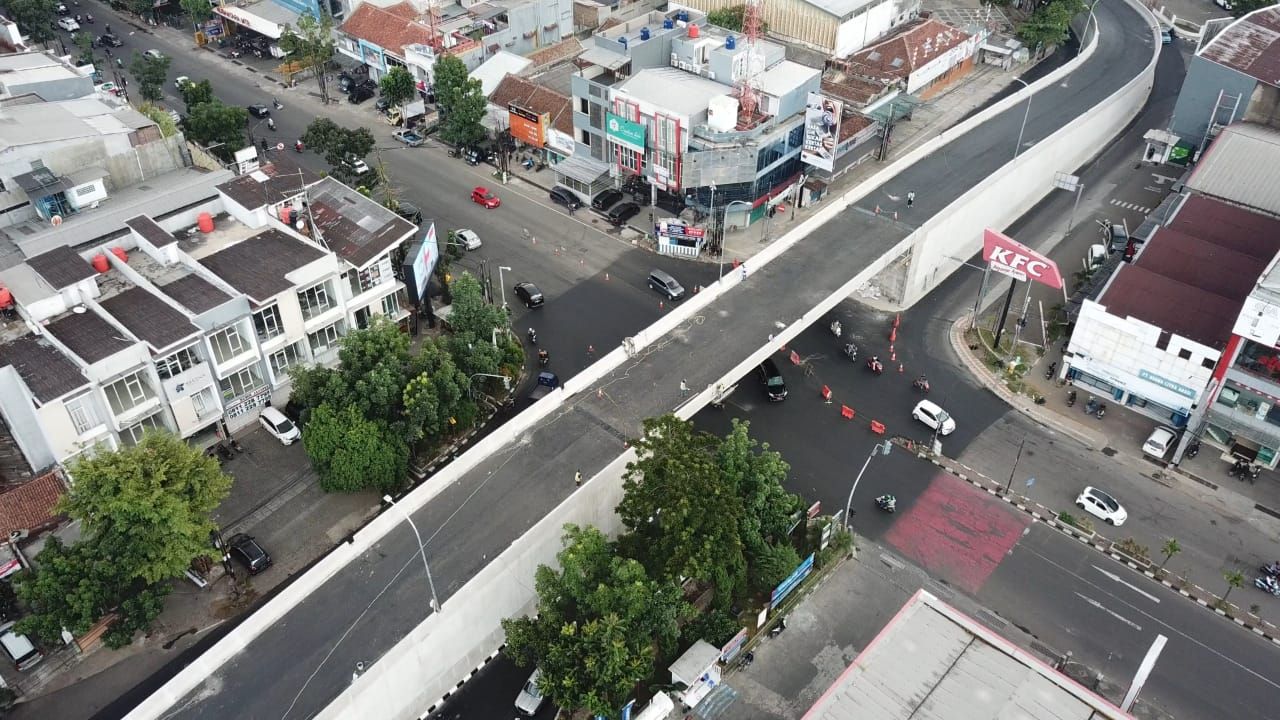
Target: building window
281,361
86,190
1162,343
796,137
83,416
1260,360
391,305
132,435
241,383
1184,354
267,323
200,403
1208,363
227,344
584,106
127,393
323,339
314,301
177,363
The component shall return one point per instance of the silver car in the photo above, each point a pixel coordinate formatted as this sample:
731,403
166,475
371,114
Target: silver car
530,699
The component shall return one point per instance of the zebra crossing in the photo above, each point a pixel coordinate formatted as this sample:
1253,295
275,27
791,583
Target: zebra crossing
1130,206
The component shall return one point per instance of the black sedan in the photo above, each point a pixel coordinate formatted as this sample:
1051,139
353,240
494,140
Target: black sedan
529,294
360,93
606,200
620,214
109,40
259,111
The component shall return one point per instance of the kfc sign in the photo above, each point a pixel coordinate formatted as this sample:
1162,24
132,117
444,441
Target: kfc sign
1009,257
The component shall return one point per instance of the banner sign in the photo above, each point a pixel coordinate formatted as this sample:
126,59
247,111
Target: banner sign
786,586
624,132
731,648
1010,257
526,126
821,131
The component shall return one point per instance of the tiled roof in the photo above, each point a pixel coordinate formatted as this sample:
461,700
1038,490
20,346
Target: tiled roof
553,54
272,183
852,125
535,98
1230,226
258,265
48,373
390,28
151,231
87,335
353,226
30,507
149,317
1250,45
851,89
61,267
195,293
912,46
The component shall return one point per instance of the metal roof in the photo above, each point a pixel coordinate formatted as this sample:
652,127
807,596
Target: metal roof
1242,166
673,90
839,8
1251,45
932,662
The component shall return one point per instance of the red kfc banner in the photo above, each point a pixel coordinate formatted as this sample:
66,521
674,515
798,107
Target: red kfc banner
1010,257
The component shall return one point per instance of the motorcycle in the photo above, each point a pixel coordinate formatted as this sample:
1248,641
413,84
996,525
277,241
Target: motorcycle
1091,406
777,629
921,384
1238,469
1071,398
278,105
747,658
851,351
271,124
887,503
1268,583
1254,471
533,336
544,358
1193,449
88,19
836,328
1048,373
1102,410
1273,569
298,146
874,365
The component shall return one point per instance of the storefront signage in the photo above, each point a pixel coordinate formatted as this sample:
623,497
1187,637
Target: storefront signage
786,586
624,132
1167,384
527,126
1009,257
560,142
247,19
821,131
679,231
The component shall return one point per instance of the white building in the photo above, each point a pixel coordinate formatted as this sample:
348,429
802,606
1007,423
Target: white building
836,28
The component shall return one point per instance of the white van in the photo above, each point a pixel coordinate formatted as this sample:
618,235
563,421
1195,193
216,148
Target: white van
22,652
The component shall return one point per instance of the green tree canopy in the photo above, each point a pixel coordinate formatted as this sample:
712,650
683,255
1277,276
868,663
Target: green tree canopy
197,10
35,17
437,399
470,312
598,617
461,101
341,147
1050,24
311,44
84,43
398,86
150,72
195,93
217,126
352,453
731,18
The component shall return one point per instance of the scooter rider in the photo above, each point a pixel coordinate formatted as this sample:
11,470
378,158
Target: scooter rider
888,503
922,383
544,357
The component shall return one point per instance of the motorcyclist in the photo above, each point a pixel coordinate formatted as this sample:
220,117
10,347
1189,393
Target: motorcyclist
533,336
836,328
922,382
874,363
887,502
544,357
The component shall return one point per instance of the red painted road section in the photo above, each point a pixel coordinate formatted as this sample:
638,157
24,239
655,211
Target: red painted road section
955,532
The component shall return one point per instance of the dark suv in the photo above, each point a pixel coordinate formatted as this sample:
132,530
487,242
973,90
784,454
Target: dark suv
775,388
606,199
249,553
362,92
620,214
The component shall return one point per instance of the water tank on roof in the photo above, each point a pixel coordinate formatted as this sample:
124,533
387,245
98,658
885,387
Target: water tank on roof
730,43
644,33
694,32
286,215
668,24
683,16
100,263
120,253
205,223
623,41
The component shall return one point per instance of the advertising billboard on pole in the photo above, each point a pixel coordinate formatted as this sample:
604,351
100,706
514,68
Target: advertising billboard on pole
821,131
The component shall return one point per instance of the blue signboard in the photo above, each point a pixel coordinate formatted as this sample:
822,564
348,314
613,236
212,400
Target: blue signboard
1167,384
786,586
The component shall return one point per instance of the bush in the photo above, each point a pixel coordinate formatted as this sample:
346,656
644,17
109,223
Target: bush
1130,547
773,565
1079,523
715,626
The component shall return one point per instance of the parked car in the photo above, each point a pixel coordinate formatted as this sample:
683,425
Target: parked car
409,211
476,155
1224,4
358,166
606,200
1159,442
934,417
280,427
69,24
564,196
775,387
468,238
18,648
179,81
259,111
481,196
529,294
1102,506
246,551
62,9
154,54
620,214
530,699
359,94
662,281
109,40
408,137
382,105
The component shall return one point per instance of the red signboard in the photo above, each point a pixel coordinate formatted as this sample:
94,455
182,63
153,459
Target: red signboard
1010,257
527,127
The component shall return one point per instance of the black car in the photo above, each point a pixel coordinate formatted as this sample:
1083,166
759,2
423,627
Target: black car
620,214
359,94
382,105
564,196
529,294
409,212
259,111
346,81
775,388
248,553
606,200
109,40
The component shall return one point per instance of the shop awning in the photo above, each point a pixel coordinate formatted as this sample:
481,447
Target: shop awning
604,58
264,17
584,170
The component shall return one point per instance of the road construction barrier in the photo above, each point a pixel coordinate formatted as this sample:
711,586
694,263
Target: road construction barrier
846,412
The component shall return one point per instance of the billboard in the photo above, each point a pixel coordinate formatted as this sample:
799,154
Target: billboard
624,132
527,126
420,261
821,131
1010,257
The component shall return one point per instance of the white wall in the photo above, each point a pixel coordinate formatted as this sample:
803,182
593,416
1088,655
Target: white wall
1259,321
862,30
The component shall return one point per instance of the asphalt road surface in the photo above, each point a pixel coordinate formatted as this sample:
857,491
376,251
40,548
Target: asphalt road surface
299,665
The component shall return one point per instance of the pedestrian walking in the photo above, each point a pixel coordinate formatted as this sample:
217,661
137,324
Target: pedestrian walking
911,197
577,479
684,388
591,351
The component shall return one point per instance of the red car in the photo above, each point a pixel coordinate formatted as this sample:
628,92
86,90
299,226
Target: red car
482,196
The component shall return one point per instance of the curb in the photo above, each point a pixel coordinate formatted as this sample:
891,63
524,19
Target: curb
488,659
1047,516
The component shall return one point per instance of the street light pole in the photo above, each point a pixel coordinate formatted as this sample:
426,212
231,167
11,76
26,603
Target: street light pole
881,448
502,286
435,601
720,243
1025,113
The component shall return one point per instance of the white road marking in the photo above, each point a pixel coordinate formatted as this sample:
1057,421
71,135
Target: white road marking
1110,612
1130,206
1116,578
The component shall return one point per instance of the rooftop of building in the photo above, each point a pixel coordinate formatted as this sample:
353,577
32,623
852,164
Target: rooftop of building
144,314
566,49
1186,279
390,28
31,506
86,334
850,88
37,123
933,661
1242,166
674,89
60,268
272,183
194,293
358,229
906,49
1250,45
491,71
558,78
46,371
841,9
785,77
33,66
527,94
258,265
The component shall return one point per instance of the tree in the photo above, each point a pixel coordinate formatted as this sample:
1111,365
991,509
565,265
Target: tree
352,453
150,73
374,369
84,42
221,128
1234,579
341,147
141,8
598,618
462,102
35,17
731,18
312,44
758,475
196,93
197,10
161,117
470,314
438,398
1170,548
1050,24
398,86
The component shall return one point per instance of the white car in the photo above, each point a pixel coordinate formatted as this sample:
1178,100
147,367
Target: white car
179,81
153,53
1102,506
359,167
1224,4
934,417
1162,438
68,24
530,699
468,239
280,427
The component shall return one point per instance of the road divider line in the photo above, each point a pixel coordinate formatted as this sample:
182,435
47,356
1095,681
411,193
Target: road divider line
1112,576
1110,612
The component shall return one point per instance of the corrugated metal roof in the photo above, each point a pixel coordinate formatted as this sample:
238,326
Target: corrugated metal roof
1251,45
1242,166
